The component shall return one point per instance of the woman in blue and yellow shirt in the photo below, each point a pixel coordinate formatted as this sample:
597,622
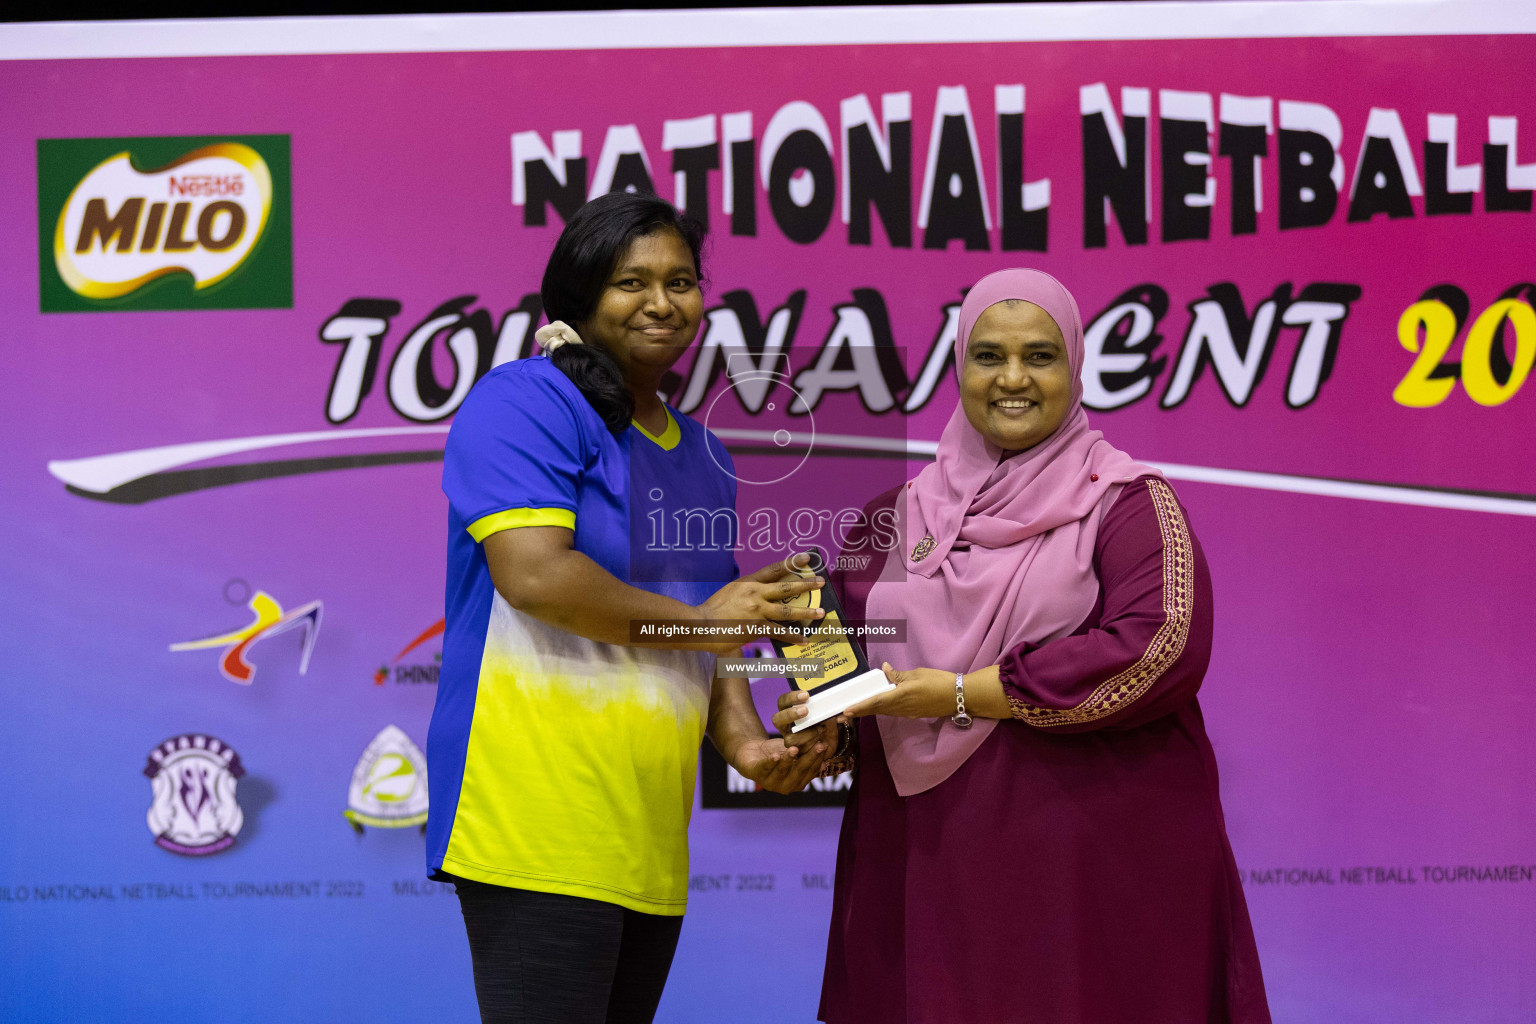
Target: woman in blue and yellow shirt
562,756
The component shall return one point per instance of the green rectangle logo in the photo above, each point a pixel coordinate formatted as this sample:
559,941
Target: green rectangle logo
183,222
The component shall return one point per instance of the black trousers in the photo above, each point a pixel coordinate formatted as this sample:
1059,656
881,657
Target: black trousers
545,958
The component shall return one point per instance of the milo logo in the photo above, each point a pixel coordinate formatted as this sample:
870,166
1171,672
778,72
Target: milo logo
164,223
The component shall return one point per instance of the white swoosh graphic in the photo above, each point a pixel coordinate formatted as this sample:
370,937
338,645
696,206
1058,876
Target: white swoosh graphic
1425,497
101,473
863,444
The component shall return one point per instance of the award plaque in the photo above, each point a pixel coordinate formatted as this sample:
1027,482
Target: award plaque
845,678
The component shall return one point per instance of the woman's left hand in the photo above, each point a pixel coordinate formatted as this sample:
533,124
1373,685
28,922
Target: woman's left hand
919,693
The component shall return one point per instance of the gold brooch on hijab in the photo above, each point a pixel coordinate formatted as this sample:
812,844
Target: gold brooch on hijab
924,548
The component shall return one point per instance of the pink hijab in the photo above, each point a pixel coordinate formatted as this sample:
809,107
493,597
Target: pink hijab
1011,553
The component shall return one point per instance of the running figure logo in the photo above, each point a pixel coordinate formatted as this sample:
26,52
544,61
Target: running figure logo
270,620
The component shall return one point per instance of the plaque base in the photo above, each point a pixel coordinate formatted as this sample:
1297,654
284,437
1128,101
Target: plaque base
843,696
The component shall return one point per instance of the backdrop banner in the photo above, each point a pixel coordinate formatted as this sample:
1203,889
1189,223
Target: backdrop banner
257,266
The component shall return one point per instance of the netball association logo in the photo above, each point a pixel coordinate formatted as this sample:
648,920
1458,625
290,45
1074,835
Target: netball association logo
389,784
194,811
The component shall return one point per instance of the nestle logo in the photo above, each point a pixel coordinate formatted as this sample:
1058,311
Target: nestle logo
208,185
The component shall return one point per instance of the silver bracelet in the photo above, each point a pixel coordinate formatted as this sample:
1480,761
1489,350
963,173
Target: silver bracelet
961,717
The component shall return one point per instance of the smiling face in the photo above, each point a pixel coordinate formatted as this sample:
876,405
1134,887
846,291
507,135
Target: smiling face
1015,383
650,309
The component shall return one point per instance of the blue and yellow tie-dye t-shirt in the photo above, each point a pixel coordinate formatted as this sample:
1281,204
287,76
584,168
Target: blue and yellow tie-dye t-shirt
557,763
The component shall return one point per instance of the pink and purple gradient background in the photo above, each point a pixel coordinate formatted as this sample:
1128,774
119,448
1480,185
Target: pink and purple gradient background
1369,697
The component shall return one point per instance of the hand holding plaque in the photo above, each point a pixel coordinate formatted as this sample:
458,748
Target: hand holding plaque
845,677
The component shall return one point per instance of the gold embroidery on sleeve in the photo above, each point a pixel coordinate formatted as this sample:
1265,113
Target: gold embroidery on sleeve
1166,645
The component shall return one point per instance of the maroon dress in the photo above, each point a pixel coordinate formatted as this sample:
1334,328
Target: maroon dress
1075,869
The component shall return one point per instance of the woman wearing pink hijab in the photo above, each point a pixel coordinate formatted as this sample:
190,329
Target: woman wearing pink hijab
1035,832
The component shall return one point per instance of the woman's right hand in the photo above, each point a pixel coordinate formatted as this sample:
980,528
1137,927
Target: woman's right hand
758,600
792,708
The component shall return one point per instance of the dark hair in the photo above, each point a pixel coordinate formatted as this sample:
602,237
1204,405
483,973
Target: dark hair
589,248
